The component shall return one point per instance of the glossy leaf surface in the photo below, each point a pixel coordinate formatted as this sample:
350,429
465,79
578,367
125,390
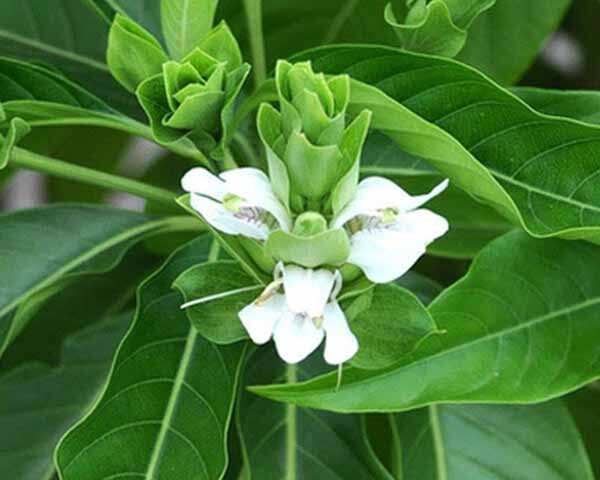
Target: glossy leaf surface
538,171
84,239
521,327
166,409
74,42
282,441
40,403
492,442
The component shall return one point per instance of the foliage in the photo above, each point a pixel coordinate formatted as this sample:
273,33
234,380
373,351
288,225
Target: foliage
127,348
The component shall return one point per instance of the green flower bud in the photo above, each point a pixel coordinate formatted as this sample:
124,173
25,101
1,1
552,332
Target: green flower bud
310,148
309,224
437,27
194,98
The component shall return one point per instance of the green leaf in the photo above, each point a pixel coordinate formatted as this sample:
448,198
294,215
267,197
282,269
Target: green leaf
74,42
40,403
421,286
17,130
472,224
43,97
185,23
491,442
580,105
168,402
282,441
219,291
76,306
103,8
389,322
505,40
133,54
103,235
521,327
487,141
583,405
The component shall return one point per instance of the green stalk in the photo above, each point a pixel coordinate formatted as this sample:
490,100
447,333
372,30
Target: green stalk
127,125
291,433
257,43
58,168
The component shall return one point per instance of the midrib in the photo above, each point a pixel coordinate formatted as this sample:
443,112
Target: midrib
546,193
54,50
84,257
439,449
485,338
442,353
172,404
291,415
178,383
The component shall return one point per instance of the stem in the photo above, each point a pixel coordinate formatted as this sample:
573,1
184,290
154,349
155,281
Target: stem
127,125
58,168
213,253
290,444
247,150
257,44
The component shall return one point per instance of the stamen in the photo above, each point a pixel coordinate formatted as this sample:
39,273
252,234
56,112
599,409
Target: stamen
268,292
318,321
254,215
337,285
339,377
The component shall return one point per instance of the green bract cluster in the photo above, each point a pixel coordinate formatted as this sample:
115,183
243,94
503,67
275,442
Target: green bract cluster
190,99
313,154
314,159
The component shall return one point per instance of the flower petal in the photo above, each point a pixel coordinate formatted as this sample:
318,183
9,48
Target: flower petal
296,337
202,182
260,320
386,254
306,290
340,343
377,193
254,186
225,221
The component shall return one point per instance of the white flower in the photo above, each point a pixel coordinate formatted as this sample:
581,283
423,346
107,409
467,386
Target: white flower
302,316
237,202
388,234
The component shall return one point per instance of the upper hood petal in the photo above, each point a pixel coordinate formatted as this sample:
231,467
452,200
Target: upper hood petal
388,253
201,181
378,193
225,221
254,186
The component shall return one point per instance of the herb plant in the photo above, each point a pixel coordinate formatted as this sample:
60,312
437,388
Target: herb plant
363,252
